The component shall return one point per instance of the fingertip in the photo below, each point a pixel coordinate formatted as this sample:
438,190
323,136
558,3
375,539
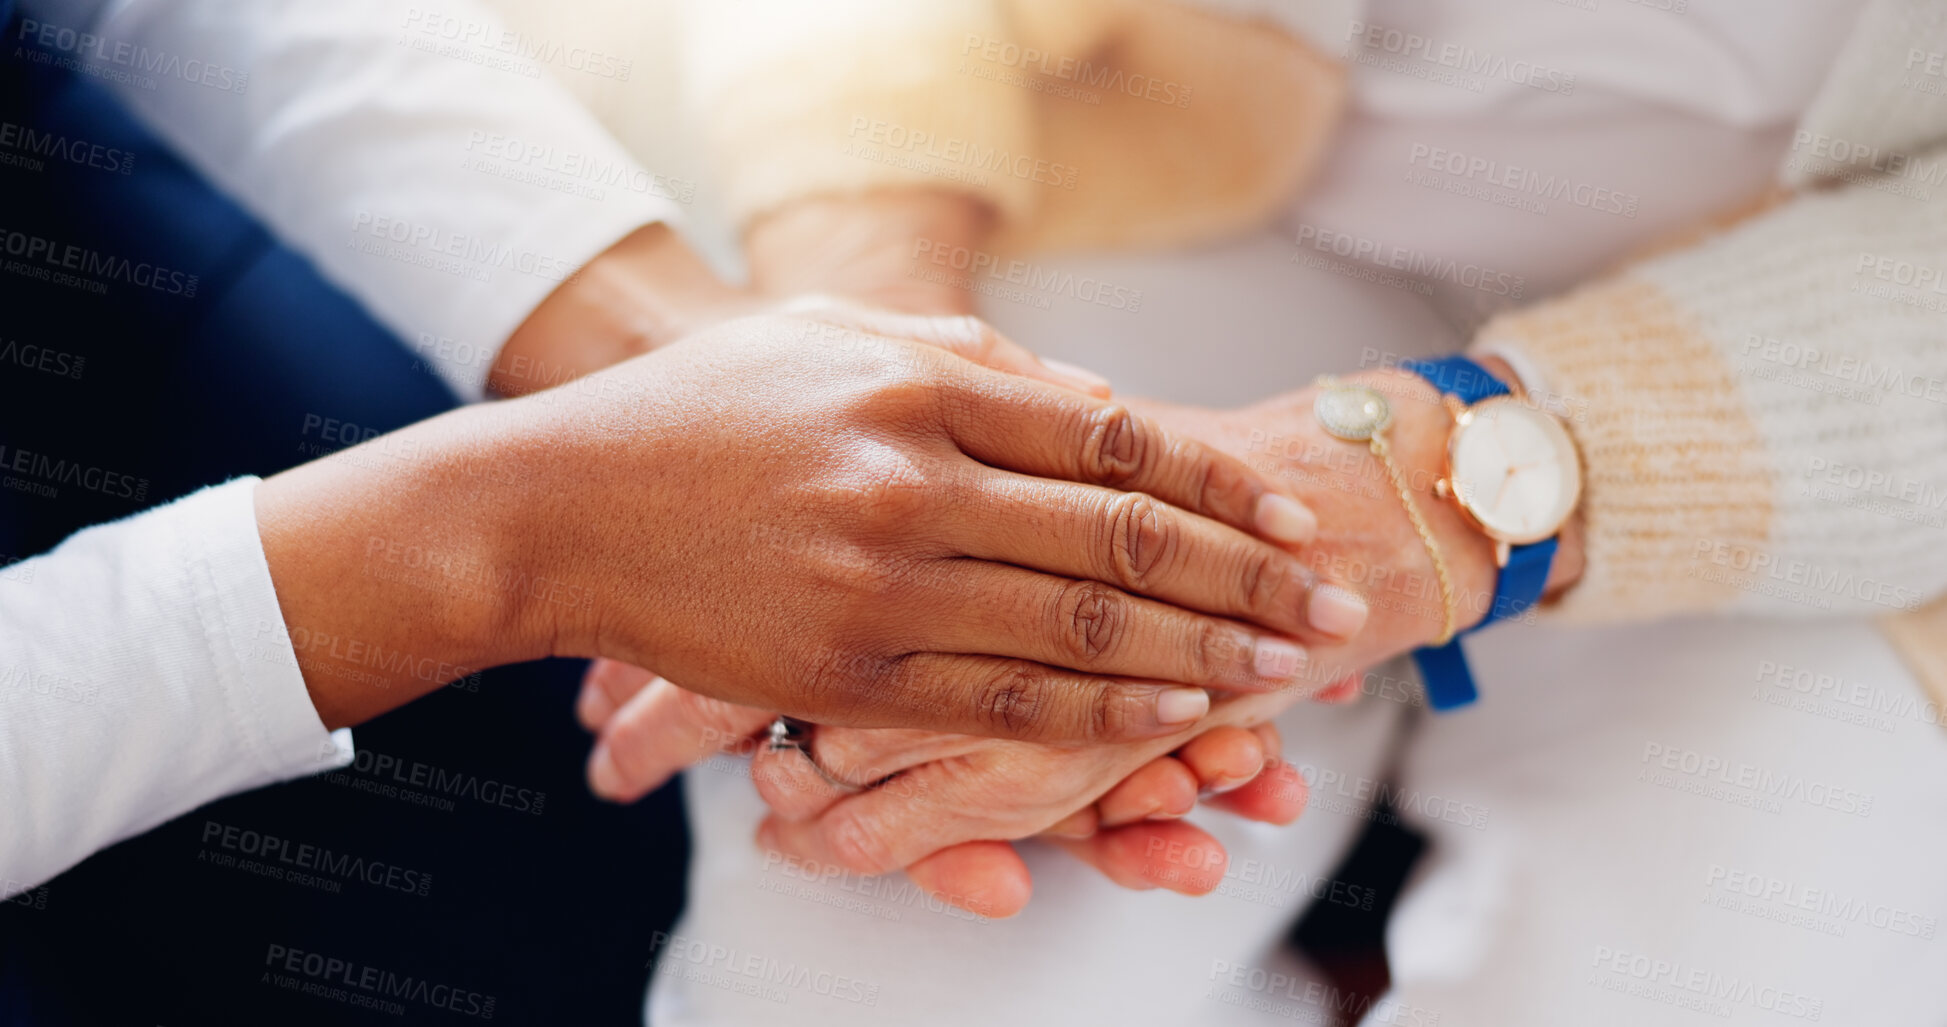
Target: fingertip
1080,824
604,777
1336,611
1282,519
1171,854
985,877
592,706
1272,742
767,837
1224,759
1176,707
1162,789
1277,796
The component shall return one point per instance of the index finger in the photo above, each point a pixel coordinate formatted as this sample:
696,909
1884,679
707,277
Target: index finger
1005,421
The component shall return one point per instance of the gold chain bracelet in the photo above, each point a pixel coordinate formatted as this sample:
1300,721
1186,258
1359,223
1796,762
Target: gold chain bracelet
1358,413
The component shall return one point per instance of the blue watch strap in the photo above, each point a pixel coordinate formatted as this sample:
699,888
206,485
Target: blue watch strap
1443,669
1520,584
1458,377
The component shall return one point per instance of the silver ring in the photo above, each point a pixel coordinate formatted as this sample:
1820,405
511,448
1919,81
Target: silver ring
792,733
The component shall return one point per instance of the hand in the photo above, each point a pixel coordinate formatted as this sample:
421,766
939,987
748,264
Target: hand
865,246
988,790
875,533
1366,541
1132,834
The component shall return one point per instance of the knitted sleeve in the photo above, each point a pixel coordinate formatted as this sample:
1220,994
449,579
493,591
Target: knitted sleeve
1084,123
844,96
1763,416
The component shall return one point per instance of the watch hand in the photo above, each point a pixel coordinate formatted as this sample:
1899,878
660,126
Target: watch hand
1507,478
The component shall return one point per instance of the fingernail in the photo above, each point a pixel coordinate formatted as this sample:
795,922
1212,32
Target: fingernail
1089,380
603,779
1284,519
1277,659
1224,789
592,708
1182,705
1336,611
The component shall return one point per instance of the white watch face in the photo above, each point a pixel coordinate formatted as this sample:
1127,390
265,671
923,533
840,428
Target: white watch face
1515,469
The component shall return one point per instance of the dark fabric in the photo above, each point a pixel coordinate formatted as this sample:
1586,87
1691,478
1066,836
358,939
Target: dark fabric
536,897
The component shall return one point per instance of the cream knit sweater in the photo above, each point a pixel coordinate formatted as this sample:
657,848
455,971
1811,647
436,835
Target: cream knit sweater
1765,409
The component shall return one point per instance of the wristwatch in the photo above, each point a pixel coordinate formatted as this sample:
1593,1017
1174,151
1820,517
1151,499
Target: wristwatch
1515,475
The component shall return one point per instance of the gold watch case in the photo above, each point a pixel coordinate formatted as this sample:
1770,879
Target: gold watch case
1467,419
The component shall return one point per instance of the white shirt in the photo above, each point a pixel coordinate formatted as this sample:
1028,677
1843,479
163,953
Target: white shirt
421,156
144,671
413,152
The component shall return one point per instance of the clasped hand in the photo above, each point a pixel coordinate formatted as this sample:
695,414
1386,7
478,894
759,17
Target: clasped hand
942,806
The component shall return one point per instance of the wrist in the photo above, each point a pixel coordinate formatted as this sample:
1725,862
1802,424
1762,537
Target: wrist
1567,567
398,565
876,248
644,292
1420,429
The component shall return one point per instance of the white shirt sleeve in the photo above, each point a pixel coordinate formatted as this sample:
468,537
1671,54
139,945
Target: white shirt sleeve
419,154
144,671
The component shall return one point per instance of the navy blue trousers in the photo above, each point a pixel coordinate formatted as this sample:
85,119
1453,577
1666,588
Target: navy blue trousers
470,875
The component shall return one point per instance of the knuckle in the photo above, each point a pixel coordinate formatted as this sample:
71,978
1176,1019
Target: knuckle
1262,580
1142,540
1219,489
1015,701
1215,655
896,392
1108,716
845,680
880,483
1088,620
858,844
1116,447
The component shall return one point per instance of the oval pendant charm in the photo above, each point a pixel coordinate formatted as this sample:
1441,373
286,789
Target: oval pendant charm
1354,413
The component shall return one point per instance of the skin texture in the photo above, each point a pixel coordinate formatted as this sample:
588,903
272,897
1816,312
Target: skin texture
643,293
878,533
955,789
860,247
1140,817
959,789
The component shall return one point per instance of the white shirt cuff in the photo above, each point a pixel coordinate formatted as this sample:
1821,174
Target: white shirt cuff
250,647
